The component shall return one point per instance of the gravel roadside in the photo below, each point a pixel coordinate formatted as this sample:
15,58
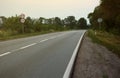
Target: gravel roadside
95,61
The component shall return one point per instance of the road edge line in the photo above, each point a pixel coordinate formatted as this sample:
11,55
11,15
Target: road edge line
4,54
70,65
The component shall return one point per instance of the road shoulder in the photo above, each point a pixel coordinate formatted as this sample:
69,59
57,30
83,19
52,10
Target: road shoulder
95,61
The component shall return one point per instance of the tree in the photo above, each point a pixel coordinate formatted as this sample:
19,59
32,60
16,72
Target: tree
13,24
1,21
82,23
71,22
29,25
58,21
109,11
41,19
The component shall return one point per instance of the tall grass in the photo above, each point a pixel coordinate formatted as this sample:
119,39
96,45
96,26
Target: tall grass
112,42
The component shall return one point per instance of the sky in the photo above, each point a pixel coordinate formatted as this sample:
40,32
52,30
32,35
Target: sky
48,8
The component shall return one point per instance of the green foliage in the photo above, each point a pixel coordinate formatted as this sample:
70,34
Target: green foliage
70,21
111,41
82,23
5,34
28,25
109,11
12,26
58,21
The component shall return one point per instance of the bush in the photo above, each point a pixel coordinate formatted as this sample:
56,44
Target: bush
4,34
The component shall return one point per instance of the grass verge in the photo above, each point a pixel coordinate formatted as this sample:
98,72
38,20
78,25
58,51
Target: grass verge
9,37
112,42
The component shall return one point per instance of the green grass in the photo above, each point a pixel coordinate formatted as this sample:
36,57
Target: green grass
112,42
6,36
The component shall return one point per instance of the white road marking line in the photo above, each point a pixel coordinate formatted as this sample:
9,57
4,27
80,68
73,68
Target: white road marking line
72,60
44,40
39,42
50,38
4,54
28,46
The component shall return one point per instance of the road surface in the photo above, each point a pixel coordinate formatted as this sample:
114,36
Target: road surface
44,56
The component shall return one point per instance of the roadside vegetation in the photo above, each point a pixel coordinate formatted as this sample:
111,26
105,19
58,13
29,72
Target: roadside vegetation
111,41
109,11
106,32
11,27
7,36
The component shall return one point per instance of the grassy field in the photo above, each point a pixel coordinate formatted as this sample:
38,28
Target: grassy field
112,42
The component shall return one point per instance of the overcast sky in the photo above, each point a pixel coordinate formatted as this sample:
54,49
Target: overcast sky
48,8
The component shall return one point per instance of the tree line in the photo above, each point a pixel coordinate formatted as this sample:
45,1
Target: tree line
14,26
109,11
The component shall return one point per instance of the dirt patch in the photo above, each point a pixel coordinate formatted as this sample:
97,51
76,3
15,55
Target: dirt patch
95,61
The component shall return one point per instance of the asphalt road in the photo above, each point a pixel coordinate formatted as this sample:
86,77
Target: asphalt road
44,56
